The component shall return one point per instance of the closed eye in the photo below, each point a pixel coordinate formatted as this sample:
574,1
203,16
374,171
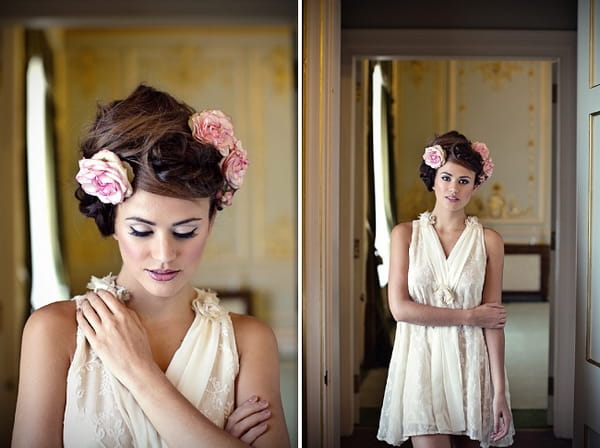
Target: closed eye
139,233
185,235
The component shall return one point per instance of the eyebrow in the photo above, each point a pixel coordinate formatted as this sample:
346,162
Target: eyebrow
150,223
451,175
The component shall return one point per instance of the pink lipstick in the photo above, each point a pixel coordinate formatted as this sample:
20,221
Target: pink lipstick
162,275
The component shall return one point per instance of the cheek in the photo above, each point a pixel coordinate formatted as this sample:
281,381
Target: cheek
131,250
195,251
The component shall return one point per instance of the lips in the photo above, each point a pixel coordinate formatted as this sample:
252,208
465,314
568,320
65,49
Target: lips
162,275
452,198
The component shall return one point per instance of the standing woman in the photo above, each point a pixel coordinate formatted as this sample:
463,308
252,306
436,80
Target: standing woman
144,359
446,383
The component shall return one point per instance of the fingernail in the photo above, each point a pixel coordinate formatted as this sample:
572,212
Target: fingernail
253,398
263,403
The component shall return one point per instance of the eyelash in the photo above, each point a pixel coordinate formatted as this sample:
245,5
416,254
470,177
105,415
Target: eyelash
182,236
462,181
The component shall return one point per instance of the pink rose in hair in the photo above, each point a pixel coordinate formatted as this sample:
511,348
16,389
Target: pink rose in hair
234,167
488,165
488,168
215,128
105,176
434,156
482,149
225,198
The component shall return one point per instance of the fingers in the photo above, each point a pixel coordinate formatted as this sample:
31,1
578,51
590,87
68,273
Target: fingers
248,421
490,315
501,322
501,425
254,433
98,306
104,301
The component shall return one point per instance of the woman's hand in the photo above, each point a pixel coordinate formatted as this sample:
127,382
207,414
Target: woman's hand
248,421
115,333
489,315
502,417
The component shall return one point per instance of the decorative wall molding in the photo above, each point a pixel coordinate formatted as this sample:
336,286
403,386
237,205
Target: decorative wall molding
245,71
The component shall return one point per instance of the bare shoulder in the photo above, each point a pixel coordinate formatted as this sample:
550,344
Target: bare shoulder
494,242
402,232
53,325
251,332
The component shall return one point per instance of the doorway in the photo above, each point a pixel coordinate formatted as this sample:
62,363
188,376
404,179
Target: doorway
507,104
556,47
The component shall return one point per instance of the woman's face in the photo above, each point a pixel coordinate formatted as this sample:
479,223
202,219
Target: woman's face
161,240
453,186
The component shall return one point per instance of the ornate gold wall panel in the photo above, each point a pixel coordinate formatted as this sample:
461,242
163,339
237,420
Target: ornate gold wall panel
245,71
506,104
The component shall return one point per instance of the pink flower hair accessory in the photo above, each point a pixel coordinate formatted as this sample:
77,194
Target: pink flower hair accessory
488,165
215,128
434,156
106,176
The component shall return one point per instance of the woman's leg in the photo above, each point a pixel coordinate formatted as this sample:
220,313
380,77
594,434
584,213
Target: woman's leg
431,441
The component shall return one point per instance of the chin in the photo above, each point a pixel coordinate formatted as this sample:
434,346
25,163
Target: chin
163,289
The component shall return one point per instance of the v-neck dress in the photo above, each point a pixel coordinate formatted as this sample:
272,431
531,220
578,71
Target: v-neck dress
439,377
100,411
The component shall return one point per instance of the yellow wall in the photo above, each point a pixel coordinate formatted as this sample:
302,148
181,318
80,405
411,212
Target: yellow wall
504,103
13,274
245,71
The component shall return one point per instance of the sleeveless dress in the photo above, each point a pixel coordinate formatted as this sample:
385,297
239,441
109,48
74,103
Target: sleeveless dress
439,377
100,412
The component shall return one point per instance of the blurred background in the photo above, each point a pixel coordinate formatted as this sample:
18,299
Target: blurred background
58,60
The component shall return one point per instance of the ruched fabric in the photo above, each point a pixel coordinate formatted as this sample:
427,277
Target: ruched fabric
100,411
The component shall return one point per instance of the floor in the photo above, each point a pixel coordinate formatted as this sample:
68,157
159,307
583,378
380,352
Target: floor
364,437
527,369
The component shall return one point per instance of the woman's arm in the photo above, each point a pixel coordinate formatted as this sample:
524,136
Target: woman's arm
494,337
47,347
403,308
116,334
259,374
118,337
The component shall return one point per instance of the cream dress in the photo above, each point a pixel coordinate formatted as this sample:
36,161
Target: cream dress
100,412
439,377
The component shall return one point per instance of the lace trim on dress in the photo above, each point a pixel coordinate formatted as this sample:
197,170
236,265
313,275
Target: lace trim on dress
429,218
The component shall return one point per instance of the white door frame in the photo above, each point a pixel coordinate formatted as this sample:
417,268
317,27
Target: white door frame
556,45
587,365
319,90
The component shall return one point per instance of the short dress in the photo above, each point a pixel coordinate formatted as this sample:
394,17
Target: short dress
439,378
101,412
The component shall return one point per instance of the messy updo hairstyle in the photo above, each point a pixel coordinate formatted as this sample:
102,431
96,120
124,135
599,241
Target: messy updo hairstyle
149,130
458,150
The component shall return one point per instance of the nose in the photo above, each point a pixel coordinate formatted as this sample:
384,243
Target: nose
164,248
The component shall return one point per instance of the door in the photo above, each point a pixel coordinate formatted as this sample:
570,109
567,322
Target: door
587,364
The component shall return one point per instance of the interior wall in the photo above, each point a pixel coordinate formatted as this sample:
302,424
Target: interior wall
13,264
504,103
245,71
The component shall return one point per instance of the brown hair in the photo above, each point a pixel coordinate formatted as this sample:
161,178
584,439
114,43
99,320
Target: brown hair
459,150
149,130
